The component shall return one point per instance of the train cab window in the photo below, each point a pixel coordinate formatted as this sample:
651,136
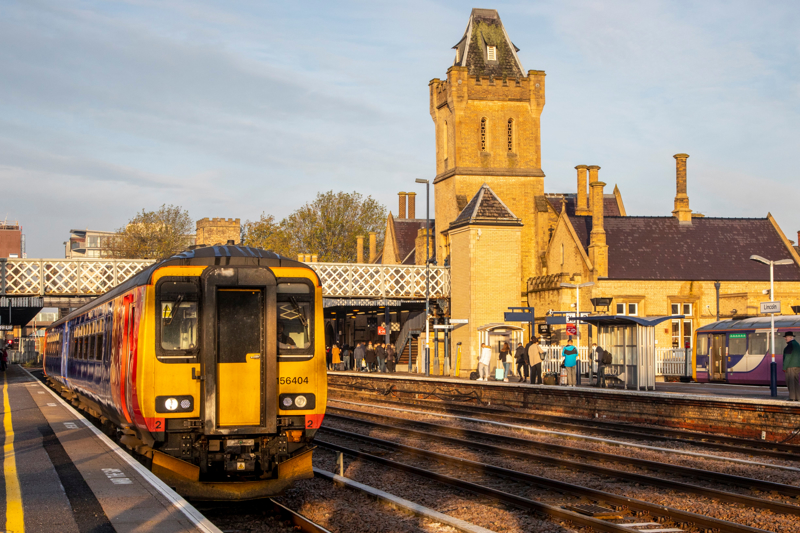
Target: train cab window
177,319
759,344
737,344
702,345
295,317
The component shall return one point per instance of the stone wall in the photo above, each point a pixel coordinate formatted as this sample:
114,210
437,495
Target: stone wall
211,231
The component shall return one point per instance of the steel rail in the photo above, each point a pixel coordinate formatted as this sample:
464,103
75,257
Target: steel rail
708,475
298,520
637,433
771,505
675,515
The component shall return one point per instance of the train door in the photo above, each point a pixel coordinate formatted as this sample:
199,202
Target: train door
240,362
718,366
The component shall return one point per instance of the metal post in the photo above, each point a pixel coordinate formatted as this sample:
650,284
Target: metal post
436,352
447,369
387,322
773,366
3,263
717,286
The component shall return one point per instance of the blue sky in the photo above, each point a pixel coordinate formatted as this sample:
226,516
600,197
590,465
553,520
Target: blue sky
234,109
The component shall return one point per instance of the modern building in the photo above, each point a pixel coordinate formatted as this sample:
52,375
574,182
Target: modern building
86,243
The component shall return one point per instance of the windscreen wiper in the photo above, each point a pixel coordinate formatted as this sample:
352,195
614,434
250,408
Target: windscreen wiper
300,311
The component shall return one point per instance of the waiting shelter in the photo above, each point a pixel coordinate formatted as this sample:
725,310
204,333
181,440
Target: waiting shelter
495,335
631,340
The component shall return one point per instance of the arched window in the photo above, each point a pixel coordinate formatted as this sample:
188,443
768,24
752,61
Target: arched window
511,135
483,134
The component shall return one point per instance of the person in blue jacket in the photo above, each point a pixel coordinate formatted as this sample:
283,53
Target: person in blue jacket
570,362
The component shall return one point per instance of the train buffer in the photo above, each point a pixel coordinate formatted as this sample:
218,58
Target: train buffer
62,474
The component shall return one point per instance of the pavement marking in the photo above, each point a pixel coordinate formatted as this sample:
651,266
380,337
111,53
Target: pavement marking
201,522
70,425
117,476
15,516
51,405
40,392
577,436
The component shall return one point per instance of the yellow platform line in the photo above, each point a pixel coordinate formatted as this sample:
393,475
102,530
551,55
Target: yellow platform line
15,516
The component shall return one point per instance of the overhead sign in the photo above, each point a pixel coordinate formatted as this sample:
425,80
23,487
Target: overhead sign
518,317
6,327
770,308
544,329
443,326
459,321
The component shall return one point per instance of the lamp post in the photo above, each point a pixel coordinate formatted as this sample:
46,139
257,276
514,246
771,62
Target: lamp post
773,366
427,273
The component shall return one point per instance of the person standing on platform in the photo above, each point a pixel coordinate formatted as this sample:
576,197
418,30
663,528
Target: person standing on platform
570,362
483,362
391,358
791,366
380,355
536,354
346,358
328,357
369,357
505,358
336,359
358,355
601,358
521,358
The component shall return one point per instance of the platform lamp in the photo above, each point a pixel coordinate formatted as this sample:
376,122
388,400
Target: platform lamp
601,302
426,359
773,366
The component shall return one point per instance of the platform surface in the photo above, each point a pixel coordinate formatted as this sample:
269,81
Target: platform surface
69,478
721,391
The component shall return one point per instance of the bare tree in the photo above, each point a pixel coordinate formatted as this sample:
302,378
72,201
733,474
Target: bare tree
153,234
328,227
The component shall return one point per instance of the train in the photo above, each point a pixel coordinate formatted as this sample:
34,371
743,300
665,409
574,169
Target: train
209,364
738,350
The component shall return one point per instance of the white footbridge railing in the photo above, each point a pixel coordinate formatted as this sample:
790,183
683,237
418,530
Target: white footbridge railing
92,277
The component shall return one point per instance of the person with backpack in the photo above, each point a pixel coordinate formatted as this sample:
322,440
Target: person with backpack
521,358
536,353
570,362
603,358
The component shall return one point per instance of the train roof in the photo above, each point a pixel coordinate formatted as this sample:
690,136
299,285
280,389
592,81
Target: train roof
760,322
204,256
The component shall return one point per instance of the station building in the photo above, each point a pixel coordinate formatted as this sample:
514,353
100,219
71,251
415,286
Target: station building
508,243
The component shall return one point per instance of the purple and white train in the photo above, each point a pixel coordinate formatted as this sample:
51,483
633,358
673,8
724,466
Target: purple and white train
738,351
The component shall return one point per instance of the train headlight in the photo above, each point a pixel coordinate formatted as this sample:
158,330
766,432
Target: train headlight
287,401
171,404
300,401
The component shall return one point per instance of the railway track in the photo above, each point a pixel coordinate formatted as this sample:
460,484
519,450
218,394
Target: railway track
256,511
472,440
582,506
789,452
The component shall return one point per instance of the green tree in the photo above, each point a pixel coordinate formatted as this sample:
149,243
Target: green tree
327,226
153,234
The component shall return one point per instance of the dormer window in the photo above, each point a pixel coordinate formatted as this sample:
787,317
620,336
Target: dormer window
491,53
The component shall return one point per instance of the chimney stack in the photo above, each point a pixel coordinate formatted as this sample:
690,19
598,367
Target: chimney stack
582,207
592,179
360,249
412,205
373,246
313,258
402,212
598,249
301,257
682,211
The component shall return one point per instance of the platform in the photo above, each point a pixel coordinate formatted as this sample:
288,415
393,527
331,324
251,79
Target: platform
62,474
719,408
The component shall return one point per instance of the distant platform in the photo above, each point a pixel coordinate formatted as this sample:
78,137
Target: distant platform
62,474
734,410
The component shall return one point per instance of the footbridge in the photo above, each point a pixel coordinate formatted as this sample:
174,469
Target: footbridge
72,282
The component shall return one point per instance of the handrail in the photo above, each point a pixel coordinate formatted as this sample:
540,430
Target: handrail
416,322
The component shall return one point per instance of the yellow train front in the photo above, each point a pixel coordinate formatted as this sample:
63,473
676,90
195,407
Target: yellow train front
212,363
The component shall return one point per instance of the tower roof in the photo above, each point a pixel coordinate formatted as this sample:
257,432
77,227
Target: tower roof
486,208
485,30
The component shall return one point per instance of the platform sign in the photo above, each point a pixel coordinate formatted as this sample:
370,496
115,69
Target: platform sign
770,308
443,326
459,321
6,327
544,329
572,329
381,330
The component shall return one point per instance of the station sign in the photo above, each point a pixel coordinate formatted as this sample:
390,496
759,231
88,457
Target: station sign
6,327
443,326
459,321
770,308
544,329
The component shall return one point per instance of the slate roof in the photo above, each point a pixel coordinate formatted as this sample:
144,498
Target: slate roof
405,231
485,29
717,249
610,205
487,209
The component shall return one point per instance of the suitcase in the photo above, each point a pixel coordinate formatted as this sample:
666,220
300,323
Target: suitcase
549,380
499,374
473,376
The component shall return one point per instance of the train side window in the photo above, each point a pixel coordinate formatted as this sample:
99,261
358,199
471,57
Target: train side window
702,345
295,318
177,319
780,343
758,343
737,344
